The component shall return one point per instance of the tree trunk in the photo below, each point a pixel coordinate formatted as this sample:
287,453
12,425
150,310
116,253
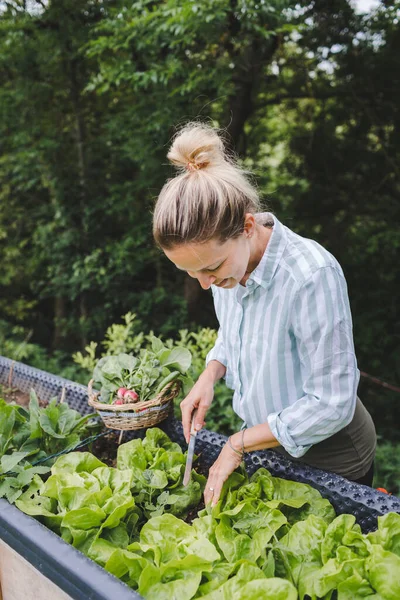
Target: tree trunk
247,82
83,314
195,297
59,316
241,107
72,64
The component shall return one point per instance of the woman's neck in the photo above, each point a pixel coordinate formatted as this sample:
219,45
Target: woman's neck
259,241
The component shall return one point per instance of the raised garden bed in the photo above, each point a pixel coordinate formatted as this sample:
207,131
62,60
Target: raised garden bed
74,574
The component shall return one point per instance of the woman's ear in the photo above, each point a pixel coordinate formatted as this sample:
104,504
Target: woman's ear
249,225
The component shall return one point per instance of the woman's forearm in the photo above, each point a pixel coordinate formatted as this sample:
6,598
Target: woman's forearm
259,437
214,371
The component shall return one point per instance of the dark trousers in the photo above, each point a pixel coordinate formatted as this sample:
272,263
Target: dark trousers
367,478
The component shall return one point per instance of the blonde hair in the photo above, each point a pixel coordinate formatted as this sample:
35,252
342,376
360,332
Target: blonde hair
209,197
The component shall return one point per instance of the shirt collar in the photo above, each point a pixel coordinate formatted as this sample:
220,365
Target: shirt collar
265,270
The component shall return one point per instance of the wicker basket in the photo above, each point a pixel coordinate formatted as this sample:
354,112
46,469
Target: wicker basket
136,415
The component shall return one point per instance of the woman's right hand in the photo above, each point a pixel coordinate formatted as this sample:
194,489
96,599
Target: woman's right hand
200,397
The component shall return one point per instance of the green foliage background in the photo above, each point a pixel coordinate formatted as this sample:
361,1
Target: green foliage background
90,95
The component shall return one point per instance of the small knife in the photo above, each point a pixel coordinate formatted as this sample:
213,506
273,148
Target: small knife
190,453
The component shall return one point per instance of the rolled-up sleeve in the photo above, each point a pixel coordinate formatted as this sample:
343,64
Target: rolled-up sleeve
321,329
218,351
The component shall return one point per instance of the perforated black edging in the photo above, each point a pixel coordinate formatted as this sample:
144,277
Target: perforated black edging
82,578
46,385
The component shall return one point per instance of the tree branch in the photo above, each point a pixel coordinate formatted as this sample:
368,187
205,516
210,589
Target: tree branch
281,97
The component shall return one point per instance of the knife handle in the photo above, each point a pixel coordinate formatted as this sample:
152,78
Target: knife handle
192,429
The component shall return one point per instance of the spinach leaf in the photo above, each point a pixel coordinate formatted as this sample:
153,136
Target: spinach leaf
147,374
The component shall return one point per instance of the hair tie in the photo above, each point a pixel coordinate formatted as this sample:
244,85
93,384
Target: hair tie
192,166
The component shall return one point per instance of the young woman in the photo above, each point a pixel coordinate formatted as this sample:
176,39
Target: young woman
285,342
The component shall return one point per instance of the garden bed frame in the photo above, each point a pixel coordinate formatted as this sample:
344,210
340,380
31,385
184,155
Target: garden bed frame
81,578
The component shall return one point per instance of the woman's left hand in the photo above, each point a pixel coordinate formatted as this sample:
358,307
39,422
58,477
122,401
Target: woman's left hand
226,463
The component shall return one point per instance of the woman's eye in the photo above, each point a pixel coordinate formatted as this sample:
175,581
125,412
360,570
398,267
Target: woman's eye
216,268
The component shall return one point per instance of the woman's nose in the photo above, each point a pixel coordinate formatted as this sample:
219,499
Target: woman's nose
206,281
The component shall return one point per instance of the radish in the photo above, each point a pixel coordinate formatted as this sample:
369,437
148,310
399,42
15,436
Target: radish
121,392
118,401
131,396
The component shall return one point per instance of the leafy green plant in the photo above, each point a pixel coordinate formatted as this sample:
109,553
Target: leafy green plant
12,485
146,374
119,338
158,467
31,436
86,501
126,338
267,537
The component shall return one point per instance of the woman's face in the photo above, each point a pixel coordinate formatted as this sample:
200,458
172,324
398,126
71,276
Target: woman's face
222,264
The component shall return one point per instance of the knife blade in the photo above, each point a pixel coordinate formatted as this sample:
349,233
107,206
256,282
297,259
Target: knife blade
190,452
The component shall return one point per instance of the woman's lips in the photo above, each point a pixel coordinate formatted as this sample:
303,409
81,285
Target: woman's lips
223,283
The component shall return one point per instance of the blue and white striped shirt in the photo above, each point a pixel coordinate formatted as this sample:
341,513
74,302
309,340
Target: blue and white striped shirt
286,341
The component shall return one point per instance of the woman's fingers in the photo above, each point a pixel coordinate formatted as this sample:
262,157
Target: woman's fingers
200,397
187,415
212,492
226,463
201,415
187,410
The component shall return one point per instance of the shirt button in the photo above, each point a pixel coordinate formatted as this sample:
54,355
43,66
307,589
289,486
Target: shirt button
250,282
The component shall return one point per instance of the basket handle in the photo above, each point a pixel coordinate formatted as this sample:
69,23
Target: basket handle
92,395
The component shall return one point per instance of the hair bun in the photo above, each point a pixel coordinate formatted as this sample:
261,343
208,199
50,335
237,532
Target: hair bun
194,207
196,147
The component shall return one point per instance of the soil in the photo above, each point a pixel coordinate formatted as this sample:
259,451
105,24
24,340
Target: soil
200,467
193,512
105,448
15,395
